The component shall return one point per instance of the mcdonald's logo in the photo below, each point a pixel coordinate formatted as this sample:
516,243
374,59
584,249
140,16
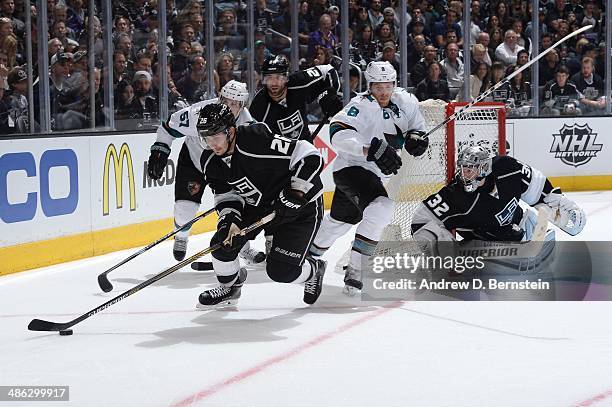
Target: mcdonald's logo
118,160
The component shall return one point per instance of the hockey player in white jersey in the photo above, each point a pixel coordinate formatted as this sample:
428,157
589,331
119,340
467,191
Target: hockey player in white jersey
189,183
367,135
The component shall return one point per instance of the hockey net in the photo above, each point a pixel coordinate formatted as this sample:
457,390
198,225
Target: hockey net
483,124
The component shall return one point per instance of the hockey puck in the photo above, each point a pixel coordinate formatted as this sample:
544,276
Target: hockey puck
66,332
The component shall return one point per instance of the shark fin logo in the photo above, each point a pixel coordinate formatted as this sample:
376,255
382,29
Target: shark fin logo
575,144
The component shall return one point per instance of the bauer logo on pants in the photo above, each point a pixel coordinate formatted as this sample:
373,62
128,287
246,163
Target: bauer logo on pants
247,190
575,144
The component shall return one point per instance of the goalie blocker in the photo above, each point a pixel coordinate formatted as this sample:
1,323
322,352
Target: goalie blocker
482,203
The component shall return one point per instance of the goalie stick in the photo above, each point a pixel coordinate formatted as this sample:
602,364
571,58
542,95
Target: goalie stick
42,325
103,281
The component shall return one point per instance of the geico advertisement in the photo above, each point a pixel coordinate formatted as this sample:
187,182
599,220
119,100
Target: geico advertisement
44,189
123,193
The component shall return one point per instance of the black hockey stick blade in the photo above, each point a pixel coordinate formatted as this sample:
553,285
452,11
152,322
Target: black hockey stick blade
103,281
42,325
202,265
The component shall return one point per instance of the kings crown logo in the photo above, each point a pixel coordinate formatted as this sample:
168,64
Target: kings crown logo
575,144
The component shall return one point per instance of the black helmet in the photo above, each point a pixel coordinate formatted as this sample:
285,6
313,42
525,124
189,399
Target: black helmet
277,64
215,118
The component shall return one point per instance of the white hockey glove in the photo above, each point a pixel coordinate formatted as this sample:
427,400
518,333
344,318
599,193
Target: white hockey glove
566,215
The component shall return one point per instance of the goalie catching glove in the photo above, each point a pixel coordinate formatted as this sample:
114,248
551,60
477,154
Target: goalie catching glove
228,228
416,144
566,215
158,160
288,205
384,156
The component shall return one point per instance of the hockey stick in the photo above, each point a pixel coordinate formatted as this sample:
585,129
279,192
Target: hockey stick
504,81
319,127
42,325
103,281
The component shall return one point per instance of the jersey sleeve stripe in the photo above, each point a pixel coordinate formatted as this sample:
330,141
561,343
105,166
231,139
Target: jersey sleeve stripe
335,127
534,190
171,131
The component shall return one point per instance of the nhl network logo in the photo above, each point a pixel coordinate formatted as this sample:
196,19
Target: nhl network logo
575,144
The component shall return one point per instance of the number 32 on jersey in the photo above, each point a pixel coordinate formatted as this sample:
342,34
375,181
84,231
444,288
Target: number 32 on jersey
437,206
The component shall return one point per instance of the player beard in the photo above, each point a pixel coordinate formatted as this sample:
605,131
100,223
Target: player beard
277,92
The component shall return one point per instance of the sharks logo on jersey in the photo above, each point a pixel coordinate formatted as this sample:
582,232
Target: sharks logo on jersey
291,126
247,190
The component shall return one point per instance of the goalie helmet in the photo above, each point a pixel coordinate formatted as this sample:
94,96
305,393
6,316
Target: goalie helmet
235,90
380,71
473,164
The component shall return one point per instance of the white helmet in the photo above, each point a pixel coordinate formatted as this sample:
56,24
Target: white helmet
380,71
235,90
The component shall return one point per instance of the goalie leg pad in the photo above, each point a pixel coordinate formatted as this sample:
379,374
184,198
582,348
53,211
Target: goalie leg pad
428,236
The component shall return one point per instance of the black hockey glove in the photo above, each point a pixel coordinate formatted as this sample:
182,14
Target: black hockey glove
287,206
330,102
158,160
415,143
228,226
384,156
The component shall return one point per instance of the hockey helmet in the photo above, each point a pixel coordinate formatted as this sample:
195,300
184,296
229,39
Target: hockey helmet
214,118
473,164
380,71
235,90
275,65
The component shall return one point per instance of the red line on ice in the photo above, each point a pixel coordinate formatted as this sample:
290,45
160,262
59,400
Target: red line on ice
595,399
209,391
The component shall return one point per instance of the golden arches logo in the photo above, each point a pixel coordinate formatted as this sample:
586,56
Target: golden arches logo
118,159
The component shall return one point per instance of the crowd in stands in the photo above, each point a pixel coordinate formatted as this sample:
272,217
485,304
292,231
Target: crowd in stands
499,37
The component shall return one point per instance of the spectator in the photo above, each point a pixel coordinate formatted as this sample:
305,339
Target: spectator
122,25
521,39
225,68
119,67
7,124
591,85
479,55
416,52
180,59
484,39
416,28
502,93
175,99
336,27
383,34
474,29
522,58
556,13
323,36
519,99
143,63
441,28
419,72
502,14
569,59
7,9
123,98
263,15
546,41
433,87
194,84
506,52
18,99
389,55
123,43
60,70
366,44
54,46
227,36
479,82
60,13
361,19
144,105
9,46
374,13
453,66
548,67
561,96
354,77
492,23
322,56
76,16
390,18
541,21
496,40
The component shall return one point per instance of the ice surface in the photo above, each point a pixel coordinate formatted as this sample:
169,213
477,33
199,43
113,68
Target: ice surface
155,349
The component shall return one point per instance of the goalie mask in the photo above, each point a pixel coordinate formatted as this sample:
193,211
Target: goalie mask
473,165
235,95
215,122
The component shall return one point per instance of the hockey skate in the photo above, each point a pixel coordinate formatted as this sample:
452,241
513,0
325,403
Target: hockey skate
222,296
252,256
352,281
180,247
313,286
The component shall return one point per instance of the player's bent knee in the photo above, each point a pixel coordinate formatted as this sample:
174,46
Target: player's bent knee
282,272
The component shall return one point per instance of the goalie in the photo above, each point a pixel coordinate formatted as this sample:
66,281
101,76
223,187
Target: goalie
482,203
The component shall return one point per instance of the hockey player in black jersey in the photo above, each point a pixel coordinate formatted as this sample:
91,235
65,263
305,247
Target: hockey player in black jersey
253,172
482,202
282,102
